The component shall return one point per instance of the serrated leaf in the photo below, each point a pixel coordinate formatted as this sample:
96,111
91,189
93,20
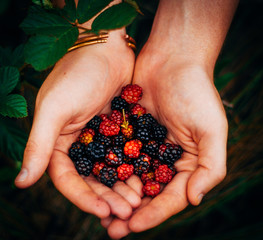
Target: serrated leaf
44,51
87,9
12,139
9,77
13,105
117,16
41,21
70,11
12,58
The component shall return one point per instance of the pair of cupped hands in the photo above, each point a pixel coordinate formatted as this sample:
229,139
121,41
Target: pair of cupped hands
179,93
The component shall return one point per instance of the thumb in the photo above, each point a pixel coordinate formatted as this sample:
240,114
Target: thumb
211,168
44,133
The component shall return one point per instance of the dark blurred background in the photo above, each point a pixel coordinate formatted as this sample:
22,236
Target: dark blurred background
233,210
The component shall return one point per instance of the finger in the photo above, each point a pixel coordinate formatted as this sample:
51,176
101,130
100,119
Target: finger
136,184
211,168
105,222
169,202
43,135
66,179
118,205
120,228
127,193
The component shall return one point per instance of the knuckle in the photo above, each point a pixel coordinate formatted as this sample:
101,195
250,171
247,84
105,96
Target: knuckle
221,174
31,148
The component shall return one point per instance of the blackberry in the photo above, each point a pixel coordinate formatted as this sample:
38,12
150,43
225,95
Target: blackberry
119,140
146,121
94,123
143,134
95,150
114,156
159,132
151,148
141,164
106,141
76,151
84,166
108,176
118,104
169,153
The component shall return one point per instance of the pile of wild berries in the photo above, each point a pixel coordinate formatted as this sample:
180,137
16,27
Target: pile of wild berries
129,141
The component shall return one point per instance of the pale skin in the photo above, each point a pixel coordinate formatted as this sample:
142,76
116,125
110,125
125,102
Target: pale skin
175,70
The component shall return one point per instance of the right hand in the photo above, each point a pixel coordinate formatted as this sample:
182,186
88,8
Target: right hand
76,90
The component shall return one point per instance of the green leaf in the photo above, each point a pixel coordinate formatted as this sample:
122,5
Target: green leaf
87,9
44,51
41,21
13,105
70,11
9,77
117,16
12,58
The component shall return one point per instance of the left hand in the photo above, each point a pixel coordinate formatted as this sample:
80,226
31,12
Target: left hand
182,97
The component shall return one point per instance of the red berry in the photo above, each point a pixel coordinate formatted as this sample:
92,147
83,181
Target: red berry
109,128
88,130
147,177
163,174
139,142
125,171
97,167
104,117
127,131
132,149
116,117
131,93
151,188
85,137
155,164
138,110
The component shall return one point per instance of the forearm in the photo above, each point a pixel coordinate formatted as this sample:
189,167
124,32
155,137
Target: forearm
192,30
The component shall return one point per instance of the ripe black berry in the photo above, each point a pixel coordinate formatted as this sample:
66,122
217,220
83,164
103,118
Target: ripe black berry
118,104
77,151
94,123
169,153
84,166
96,150
108,176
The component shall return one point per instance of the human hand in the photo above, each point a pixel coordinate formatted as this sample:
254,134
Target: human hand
182,97
76,90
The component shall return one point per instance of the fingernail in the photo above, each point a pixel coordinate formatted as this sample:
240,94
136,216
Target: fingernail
200,197
22,175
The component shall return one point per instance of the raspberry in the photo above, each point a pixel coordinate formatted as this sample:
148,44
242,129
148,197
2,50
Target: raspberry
146,121
143,134
97,167
104,117
76,151
96,150
116,117
84,166
108,176
131,93
138,110
125,171
132,149
169,153
94,123
109,128
106,141
163,174
85,137
142,164
151,148
151,188
147,177
159,133
127,131
118,104
114,156
155,164
119,140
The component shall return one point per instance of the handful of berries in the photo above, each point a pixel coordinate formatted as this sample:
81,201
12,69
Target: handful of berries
129,141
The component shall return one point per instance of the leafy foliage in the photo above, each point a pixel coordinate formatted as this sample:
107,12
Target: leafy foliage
12,105
55,31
